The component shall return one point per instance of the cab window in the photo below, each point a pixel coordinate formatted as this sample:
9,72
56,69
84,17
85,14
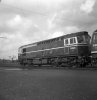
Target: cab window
95,38
87,39
72,40
80,39
66,41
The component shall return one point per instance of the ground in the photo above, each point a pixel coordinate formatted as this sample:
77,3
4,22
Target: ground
48,84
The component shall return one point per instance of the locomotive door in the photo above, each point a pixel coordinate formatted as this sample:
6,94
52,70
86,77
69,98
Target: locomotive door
66,45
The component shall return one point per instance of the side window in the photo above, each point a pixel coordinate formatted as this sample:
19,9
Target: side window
66,42
72,40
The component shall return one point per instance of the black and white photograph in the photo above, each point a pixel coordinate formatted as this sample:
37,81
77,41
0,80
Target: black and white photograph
48,50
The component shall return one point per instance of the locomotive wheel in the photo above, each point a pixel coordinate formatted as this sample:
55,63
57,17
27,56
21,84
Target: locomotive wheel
76,63
54,62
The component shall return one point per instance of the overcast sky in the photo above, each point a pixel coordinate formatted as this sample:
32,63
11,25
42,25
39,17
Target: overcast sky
27,21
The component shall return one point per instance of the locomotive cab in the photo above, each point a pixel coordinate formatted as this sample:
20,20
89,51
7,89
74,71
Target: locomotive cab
83,42
94,45
77,45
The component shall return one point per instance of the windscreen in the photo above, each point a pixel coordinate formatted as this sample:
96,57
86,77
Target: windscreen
83,39
80,39
87,39
95,38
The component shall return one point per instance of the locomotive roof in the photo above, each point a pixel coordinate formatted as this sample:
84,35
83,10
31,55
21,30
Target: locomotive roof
63,36
95,31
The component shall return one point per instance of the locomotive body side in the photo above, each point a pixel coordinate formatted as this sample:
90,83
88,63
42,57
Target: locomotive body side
66,47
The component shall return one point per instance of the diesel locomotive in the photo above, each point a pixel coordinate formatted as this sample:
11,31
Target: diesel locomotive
72,49
94,48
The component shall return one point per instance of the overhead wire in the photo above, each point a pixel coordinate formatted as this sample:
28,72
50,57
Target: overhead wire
25,11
